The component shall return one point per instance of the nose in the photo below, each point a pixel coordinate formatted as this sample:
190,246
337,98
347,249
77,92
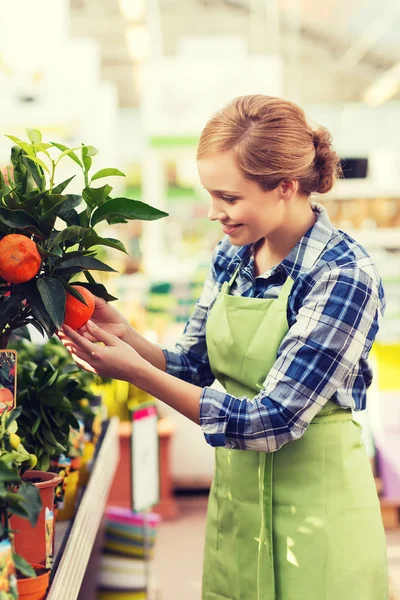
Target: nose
216,213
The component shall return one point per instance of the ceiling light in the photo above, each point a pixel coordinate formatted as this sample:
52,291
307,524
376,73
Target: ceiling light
384,87
132,10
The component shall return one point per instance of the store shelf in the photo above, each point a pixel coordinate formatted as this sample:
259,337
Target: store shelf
75,546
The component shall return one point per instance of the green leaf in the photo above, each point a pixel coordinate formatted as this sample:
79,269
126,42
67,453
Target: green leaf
46,253
61,186
32,202
23,567
127,209
37,326
95,196
51,398
91,240
69,233
34,136
7,474
70,289
70,153
14,414
65,405
83,263
43,147
49,436
108,173
36,171
38,161
53,297
33,503
36,424
90,150
18,219
98,289
9,309
24,145
45,463
4,188
87,163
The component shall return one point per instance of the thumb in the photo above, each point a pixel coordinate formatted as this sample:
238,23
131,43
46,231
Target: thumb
100,335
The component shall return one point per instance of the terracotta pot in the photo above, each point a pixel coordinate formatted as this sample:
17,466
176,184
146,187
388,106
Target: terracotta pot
34,588
35,544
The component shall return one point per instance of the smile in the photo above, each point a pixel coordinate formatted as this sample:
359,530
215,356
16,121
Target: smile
229,229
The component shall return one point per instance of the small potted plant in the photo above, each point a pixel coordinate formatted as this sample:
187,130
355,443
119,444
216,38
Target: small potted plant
18,498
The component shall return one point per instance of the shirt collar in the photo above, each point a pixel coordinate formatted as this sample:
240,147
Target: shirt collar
305,253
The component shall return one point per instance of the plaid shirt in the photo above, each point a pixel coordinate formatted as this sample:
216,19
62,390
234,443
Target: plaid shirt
333,311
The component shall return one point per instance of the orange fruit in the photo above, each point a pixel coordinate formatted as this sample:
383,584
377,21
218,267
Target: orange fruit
19,258
6,398
76,312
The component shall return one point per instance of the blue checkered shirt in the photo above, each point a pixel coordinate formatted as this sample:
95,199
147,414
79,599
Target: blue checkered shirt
333,310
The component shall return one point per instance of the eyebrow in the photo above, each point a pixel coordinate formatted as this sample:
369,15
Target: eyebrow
222,192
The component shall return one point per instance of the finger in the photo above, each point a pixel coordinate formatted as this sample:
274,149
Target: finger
84,364
81,342
81,358
83,331
100,335
99,303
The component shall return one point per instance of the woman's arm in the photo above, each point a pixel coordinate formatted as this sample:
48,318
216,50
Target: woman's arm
114,358
334,329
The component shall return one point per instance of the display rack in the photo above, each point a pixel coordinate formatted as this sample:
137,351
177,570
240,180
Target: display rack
79,536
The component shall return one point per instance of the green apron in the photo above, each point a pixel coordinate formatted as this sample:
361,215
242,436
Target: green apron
302,523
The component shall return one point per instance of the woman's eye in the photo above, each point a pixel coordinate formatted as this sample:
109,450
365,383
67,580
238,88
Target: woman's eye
229,199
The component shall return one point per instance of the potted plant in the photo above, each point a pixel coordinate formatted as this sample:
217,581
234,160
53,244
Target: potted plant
53,389
17,498
48,242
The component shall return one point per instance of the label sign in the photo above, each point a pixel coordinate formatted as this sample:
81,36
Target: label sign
8,379
144,458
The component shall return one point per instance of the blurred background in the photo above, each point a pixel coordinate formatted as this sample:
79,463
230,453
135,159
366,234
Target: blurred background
138,79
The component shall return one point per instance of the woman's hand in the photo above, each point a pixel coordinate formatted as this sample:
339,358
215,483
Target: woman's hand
109,319
113,358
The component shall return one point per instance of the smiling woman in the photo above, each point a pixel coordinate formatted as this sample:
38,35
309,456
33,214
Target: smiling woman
285,323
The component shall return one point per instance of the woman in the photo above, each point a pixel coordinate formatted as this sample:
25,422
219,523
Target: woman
285,322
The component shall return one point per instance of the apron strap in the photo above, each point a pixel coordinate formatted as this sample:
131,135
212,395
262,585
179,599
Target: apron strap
232,279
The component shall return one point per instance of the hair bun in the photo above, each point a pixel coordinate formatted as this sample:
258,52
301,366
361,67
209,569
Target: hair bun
326,161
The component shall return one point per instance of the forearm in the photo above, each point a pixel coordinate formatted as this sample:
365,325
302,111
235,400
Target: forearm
147,350
180,395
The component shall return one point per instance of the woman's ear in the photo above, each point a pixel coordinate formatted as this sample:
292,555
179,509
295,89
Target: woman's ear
288,188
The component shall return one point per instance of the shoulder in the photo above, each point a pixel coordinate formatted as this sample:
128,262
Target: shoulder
344,267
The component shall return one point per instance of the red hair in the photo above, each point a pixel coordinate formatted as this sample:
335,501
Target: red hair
272,142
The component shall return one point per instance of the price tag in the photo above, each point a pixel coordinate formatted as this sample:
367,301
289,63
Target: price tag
144,458
8,379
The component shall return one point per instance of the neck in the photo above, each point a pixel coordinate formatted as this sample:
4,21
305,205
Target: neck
280,242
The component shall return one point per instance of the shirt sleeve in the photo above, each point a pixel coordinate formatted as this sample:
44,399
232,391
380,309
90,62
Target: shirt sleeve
189,359
333,330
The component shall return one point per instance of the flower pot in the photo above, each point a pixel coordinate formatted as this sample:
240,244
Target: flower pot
71,492
35,544
34,588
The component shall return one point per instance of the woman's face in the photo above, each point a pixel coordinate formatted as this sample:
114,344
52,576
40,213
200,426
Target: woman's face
245,211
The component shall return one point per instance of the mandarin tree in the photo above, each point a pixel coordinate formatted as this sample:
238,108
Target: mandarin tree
50,235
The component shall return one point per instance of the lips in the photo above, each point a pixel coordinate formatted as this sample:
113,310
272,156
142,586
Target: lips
230,229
